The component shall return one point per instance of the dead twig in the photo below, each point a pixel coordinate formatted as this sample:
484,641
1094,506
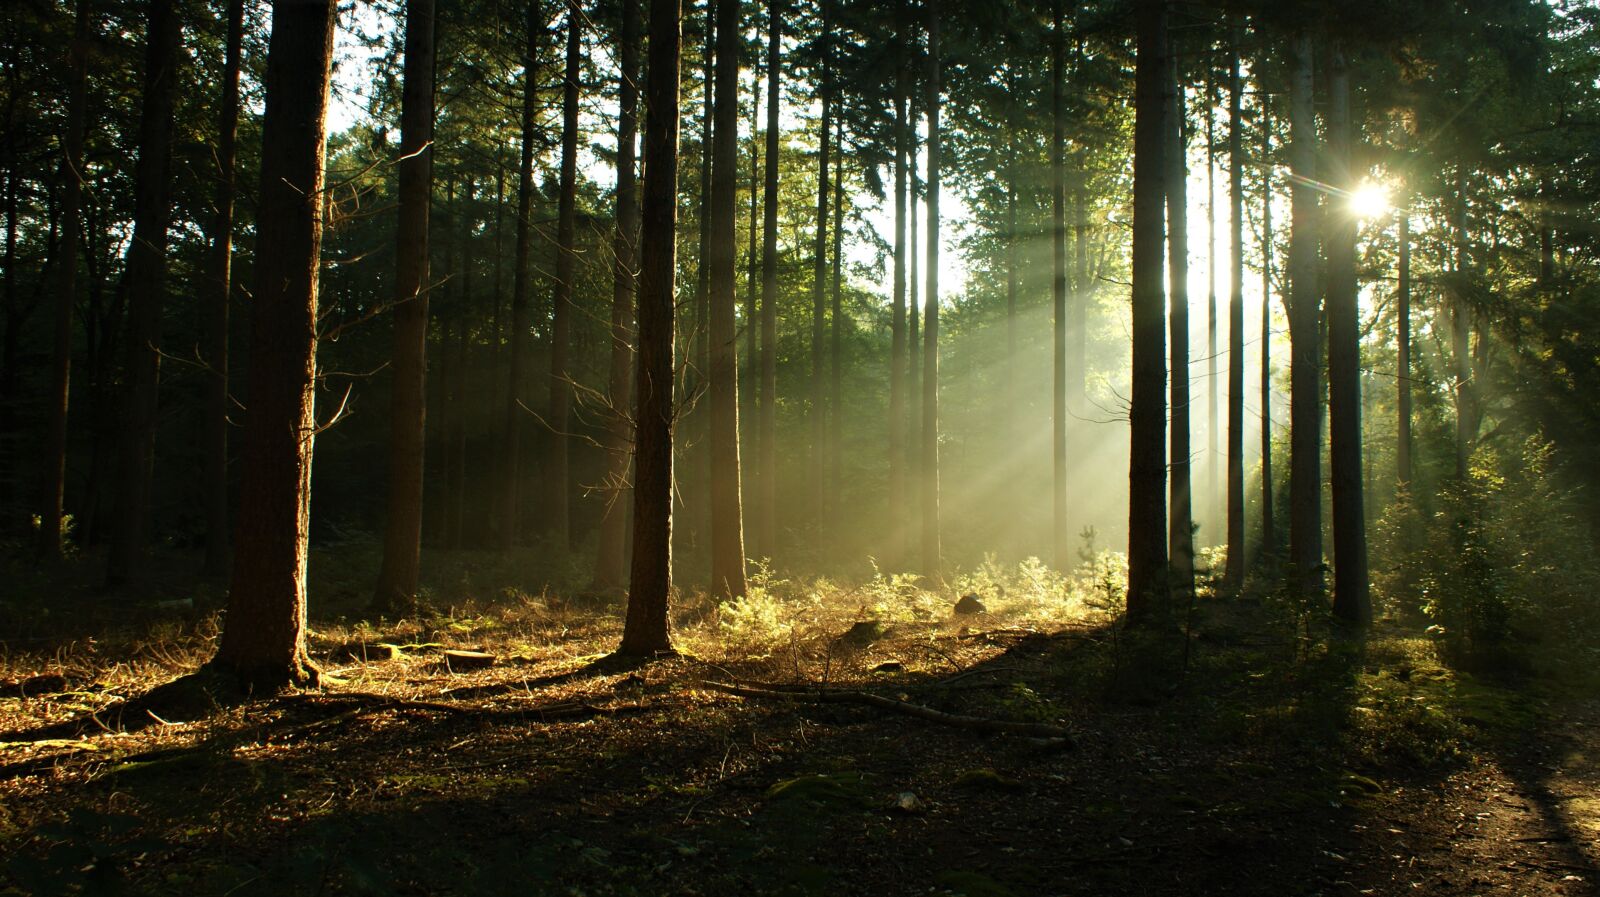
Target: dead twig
961,721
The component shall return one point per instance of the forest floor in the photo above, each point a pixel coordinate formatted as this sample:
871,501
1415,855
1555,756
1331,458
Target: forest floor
1229,754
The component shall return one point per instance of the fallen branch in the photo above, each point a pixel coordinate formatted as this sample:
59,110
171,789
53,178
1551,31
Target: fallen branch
1058,734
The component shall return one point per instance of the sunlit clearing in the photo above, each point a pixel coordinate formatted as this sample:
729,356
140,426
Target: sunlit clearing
1369,201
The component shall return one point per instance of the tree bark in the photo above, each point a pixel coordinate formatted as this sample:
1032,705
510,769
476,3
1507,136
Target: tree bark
521,311
897,323
1233,573
1403,361
1147,470
609,560
396,589
727,514
558,479
819,293
263,643
767,430
1209,491
836,346
646,629
1180,522
1305,389
1352,599
66,286
145,276
1269,535
932,560
1062,542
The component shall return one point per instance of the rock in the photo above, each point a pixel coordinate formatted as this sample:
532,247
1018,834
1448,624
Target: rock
909,803
862,634
970,604
461,661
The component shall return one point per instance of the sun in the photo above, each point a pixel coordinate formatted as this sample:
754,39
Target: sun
1369,201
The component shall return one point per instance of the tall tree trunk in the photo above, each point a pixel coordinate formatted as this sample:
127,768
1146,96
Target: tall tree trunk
511,490
558,482
1062,543
1213,454
1305,391
456,476
819,291
1352,599
55,477
215,439
402,534
767,429
609,559
913,508
1180,524
646,629
145,276
727,515
1269,533
1233,573
1461,334
1403,361
836,345
897,322
264,641
750,374
932,560
1147,469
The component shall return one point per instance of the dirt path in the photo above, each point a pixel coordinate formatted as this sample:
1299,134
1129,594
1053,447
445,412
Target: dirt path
1526,821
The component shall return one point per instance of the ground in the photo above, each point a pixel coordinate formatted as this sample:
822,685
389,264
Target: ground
1233,752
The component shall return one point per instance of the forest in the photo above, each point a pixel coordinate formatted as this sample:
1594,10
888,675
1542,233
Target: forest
791,447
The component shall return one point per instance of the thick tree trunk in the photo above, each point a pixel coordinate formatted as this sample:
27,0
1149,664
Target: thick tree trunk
1209,491
1233,573
1147,469
646,630
897,323
1180,522
767,429
609,560
511,487
558,483
727,515
1062,542
264,642
402,534
145,276
1305,378
215,438
1352,599
66,286
456,431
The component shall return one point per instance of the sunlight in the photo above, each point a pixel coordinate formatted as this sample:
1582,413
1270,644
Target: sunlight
1370,201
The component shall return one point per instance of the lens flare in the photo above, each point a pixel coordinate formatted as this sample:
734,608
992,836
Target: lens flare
1369,201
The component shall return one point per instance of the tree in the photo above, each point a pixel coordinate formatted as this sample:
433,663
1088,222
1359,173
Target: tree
819,281
1269,536
646,629
932,562
402,536
145,275
1180,536
264,641
1147,511
558,482
521,312
767,432
1352,600
619,437
1305,337
727,515
1402,452
1058,285
218,311
55,478
1233,573
897,325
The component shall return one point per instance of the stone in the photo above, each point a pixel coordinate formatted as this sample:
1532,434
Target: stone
970,604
